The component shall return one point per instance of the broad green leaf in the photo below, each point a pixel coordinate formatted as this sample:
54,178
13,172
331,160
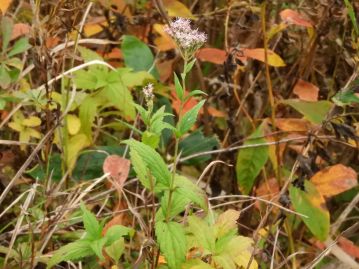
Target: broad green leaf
312,111
70,252
91,224
74,146
91,79
226,222
132,79
153,161
73,124
188,119
141,170
150,139
6,30
138,55
178,204
196,142
157,122
196,264
115,250
97,247
311,204
172,240
343,98
14,62
195,194
224,261
178,87
118,95
204,235
5,78
20,46
89,55
88,111
2,103
250,161
115,232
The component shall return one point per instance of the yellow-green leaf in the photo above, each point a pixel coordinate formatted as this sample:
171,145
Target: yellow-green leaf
177,9
31,121
15,126
75,145
259,54
73,124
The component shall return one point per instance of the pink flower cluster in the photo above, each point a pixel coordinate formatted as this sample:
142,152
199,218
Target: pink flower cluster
188,39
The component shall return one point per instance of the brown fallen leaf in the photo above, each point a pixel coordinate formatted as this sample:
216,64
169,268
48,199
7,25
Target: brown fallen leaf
292,17
293,125
334,180
306,91
118,168
20,29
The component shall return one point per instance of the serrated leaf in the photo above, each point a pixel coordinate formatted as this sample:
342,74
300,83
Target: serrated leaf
226,222
115,232
115,250
150,139
312,111
172,240
141,170
311,204
20,46
91,224
73,251
204,235
224,261
189,119
186,188
153,161
250,161
97,247
196,264
178,204
240,251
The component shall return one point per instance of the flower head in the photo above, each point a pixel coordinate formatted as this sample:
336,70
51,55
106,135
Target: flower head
148,91
189,40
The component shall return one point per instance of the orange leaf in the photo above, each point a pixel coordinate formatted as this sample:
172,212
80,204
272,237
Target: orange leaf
165,69
212,55
191,102
52,42
163,42
334,180
118,168
258,54
4,5
216,113
292,17
293,125
306,91
20,29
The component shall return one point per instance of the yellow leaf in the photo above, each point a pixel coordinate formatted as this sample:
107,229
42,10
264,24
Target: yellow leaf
31,121
164,42
73,124
4,5
74,146
15,126
33,133
258,54
226,222
177,9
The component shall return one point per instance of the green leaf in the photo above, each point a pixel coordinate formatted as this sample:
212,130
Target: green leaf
132,79
5,78
178,87
87,114
97,247
70,252
115,250
343,98
226,222
115,232
150,139
92,226
188,119
6,30
178,204
153,161
203,233
2,103
91,79
189,66
20,46
315,112
240,250
250,161
172,240
311,204
224,261
118,95
196,142
141,169
89,55
138,55
186,188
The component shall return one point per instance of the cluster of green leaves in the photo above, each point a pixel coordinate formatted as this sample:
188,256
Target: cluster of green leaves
93,243
11,65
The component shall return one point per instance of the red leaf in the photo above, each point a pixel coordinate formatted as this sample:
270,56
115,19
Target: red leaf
292,17
349,247
118,168
212,55
191,102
